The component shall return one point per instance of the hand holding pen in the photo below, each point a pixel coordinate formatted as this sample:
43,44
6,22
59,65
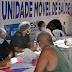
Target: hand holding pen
3,63
7,58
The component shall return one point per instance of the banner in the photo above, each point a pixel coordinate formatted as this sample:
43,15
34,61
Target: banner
13,12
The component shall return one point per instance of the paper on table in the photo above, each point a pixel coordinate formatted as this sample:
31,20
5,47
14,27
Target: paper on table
63,46
37,53
30,70
20,65
59,42
14,60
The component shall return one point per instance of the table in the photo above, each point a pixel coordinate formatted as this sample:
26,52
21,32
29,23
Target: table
65,48
59,43
30,70
13,60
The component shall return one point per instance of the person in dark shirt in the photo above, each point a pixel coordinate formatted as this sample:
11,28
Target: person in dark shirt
21,39
5,50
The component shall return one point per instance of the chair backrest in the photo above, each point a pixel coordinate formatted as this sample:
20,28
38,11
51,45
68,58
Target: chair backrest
58,33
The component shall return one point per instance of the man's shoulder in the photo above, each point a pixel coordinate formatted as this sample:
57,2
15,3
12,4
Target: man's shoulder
49,50
16,36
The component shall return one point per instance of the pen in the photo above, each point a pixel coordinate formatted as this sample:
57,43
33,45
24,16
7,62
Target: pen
2,58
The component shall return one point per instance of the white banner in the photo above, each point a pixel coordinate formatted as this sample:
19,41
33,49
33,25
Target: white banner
13,12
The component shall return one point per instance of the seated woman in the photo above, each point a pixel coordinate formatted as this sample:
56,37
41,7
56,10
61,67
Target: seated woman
21,39
5,50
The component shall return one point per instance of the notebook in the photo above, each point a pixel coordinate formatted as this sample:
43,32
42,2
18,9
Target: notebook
7,66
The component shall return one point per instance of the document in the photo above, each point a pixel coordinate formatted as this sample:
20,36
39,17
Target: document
59,42
20,65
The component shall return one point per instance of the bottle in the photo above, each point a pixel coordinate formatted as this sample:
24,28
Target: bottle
35,42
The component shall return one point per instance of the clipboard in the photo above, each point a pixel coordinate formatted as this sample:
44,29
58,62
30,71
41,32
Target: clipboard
7,66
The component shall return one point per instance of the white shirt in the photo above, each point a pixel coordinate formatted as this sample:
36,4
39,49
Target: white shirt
47,30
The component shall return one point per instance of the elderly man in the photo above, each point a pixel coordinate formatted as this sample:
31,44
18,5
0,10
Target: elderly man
21,39
52,58
5,50
42,28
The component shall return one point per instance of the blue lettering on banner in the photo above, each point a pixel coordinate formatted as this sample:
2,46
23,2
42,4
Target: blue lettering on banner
25,9
49,9
36,9
68,7
22,11
43,9
9,9
30,14
59,8
17,9
54,8
4,14
40,8
46,8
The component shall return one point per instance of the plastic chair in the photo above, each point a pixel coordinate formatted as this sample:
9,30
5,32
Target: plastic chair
58,33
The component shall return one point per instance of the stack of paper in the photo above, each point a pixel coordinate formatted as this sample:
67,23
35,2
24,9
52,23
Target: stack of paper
20,65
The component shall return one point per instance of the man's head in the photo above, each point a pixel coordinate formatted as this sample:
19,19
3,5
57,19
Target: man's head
2,35
41,26
44,39
24,28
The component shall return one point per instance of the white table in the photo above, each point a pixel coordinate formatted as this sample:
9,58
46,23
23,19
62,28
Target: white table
13,60
30,70
65,48
33,68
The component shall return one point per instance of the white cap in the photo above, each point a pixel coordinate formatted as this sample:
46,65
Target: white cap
2,31
24,26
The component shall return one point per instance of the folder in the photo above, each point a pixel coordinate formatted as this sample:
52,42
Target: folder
7,66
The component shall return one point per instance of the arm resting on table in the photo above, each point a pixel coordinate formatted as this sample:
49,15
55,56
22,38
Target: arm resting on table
17,49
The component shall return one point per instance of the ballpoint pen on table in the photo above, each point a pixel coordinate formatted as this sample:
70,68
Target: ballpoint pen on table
1,58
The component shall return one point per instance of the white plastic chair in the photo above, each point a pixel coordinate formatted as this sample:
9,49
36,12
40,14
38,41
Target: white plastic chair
58,33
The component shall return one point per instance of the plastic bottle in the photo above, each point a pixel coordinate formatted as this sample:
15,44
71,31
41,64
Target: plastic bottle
35,42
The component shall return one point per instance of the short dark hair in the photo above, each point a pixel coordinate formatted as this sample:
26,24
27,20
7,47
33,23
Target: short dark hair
40,23
46,36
